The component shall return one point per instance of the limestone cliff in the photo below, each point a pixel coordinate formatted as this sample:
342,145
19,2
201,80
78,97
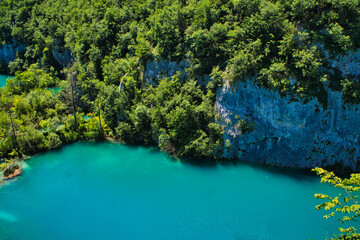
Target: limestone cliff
61,54
8,51
158,69
290,133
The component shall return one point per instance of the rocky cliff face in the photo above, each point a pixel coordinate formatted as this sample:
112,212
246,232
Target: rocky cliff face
8,51
288,133
348,64
61,55
159,69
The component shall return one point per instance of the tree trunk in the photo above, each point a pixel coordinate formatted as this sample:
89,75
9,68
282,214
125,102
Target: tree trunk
15,144
99,112
73,95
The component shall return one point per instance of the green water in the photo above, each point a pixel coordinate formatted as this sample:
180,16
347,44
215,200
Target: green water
55,90
3,79
112,191
85,117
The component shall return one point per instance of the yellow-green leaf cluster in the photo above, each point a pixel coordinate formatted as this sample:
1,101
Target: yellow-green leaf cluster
346,205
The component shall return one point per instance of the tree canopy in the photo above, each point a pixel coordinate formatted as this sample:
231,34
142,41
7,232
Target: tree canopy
96,53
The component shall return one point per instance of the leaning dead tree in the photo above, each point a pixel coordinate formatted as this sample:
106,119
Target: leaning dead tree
70,95
73,92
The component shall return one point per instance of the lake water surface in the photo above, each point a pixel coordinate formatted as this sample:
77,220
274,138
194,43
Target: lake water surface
113,191
3,79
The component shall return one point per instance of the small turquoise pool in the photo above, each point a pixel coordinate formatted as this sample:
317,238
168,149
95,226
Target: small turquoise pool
55,90
3,80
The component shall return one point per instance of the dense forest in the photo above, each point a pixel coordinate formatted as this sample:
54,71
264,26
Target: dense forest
80,70
100,90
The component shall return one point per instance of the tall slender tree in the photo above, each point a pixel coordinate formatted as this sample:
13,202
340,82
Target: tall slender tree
70,95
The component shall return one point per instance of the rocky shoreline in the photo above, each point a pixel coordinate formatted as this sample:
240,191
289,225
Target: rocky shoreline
16,173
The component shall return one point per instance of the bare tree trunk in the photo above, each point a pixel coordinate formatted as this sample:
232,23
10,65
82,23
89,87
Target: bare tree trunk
99,111
15,144
73,95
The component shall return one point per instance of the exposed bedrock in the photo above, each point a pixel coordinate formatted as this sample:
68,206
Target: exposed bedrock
158,69
61,54
8,51
288,133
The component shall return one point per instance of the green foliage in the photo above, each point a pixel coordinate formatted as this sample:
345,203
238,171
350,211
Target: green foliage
264,40
125,132
53,141
176,116
167,31
269,42
345,204
94,128
114,70
351,91
245,126
276,77
30,79
207,48
32,141
338,41
246,61
141,120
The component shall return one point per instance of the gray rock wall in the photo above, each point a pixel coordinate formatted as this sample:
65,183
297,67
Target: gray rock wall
8,51
61,55
348,64
288,133
159,69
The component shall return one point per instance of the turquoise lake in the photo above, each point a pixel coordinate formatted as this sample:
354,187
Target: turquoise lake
114,191
3,80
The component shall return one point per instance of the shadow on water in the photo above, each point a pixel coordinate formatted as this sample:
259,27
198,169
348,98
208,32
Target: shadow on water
301,174
298,174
